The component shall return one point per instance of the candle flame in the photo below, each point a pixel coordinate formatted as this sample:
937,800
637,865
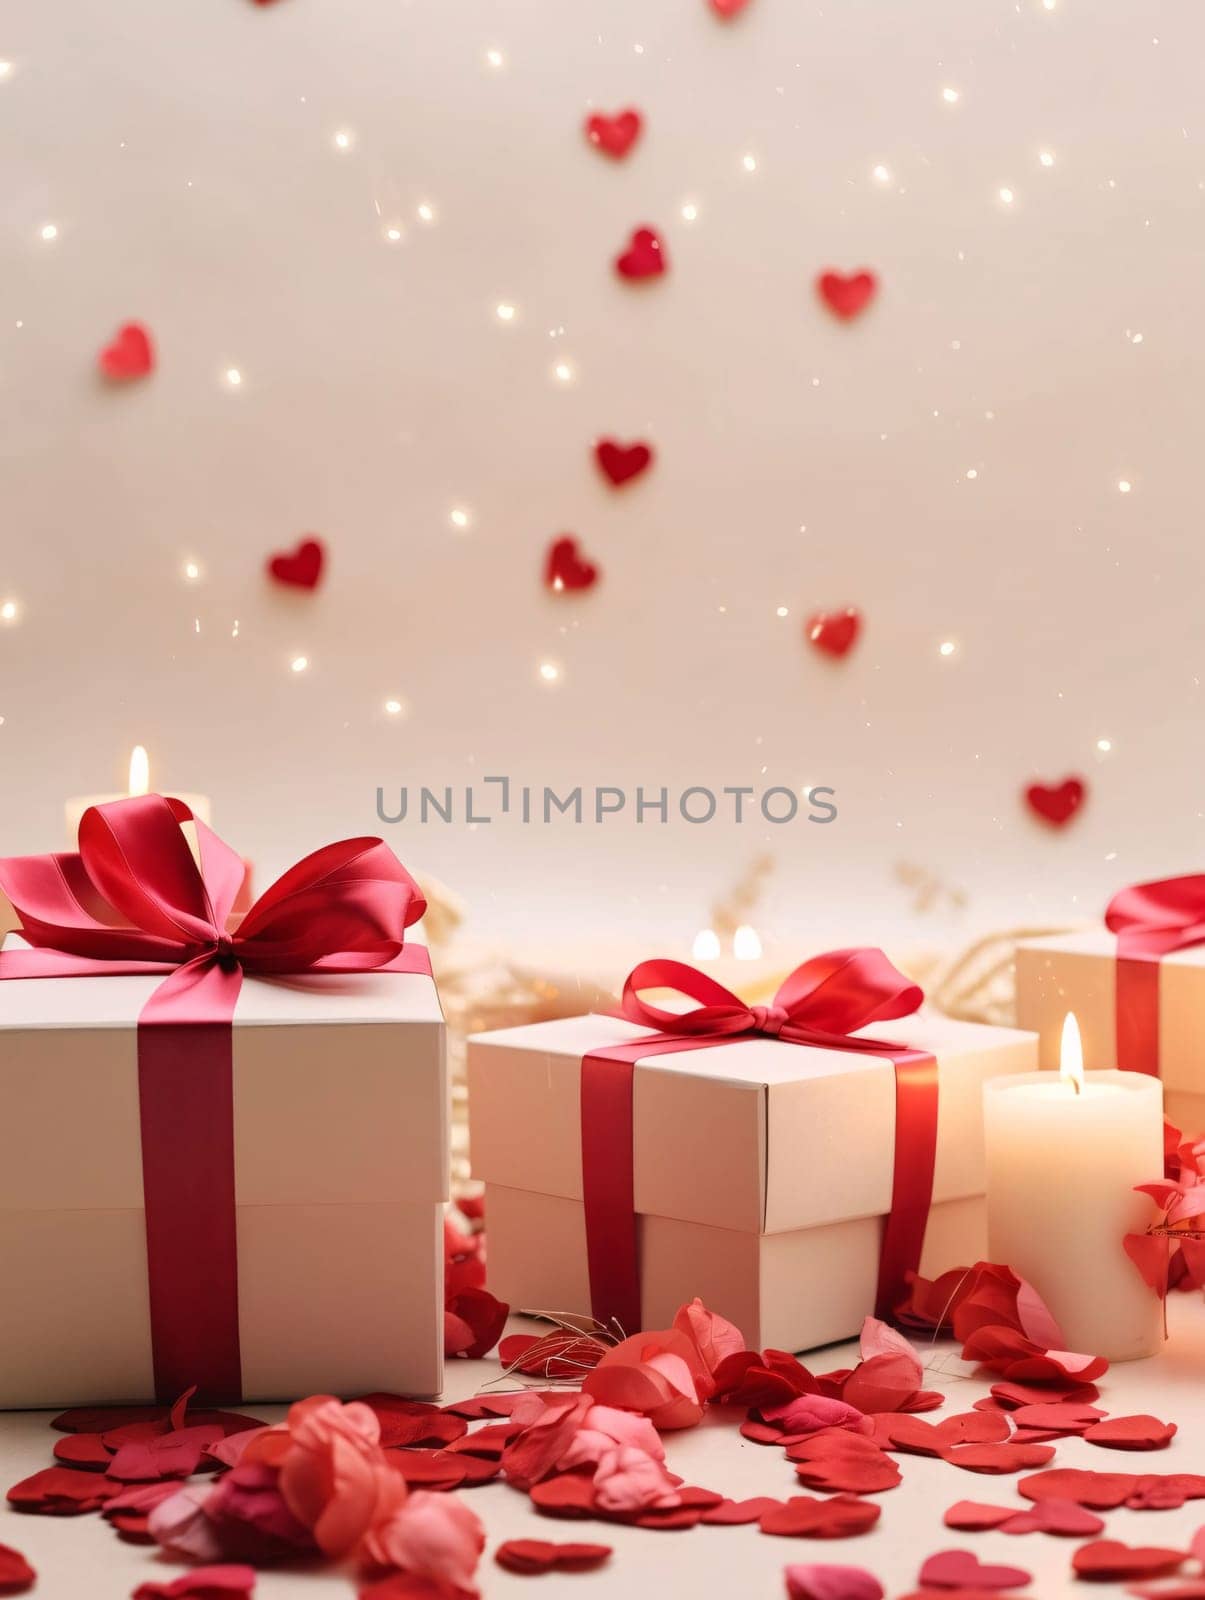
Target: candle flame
746,945
1071,1055
140,771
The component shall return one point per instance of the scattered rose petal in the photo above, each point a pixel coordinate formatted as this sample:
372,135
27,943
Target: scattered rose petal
819,1581
16,1574
1061,1517
804,1518
1101,1490
1014,1395
61,1492
972,1516
998,1458
843,1462
962,1569
99,1419
550,1355
202,1583
86,1450
914,1435
1110,1561
1131,1433
473,1323
1058,1415
540,1555
735,1513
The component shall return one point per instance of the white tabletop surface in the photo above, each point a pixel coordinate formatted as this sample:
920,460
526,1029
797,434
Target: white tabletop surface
82,1556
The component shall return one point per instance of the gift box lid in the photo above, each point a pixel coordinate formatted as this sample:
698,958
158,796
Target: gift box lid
756,1134
340,1091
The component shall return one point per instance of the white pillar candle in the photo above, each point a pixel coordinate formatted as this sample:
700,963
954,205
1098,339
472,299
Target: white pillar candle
1064,1151
198,804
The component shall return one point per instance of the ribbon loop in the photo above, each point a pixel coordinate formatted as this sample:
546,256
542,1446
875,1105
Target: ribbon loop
1150,920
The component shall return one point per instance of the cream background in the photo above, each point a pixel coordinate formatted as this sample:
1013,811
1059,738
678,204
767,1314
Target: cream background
186,155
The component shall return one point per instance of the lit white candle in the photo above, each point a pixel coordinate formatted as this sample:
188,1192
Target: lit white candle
1064,1151
139,783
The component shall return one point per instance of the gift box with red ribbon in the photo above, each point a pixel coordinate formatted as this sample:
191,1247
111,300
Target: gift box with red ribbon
225,1151
789,1163
1137,987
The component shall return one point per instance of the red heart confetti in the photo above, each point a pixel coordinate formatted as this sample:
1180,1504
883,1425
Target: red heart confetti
728,8
918,1437
62,1492
998,1458
819,1581
1059,1416
1014,1395
300,568
735,1513
87,1450
843,1462
1131,1433
1103,1491
541,1555
202,1583
847,296
620,463
972,1516
962,1569
1061,1517
99,1419
565,569
16,1574
804,1518
1056,803
413,1422
131,354
1110,1561
616,135
834,632
645,256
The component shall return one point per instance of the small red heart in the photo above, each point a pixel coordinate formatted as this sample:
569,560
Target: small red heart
1061,1517
130,355
565,569
1056,803
616,135
621,462
728,8
805,1518
1109,1561
972,1516
997,1459
16,1574
302,568
1131,1433
541,1555
962,1569
644,258
1103,1491
847,295
834,632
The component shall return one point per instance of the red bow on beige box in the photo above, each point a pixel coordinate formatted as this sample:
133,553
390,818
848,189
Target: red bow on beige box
134,901
822,1003
1150,920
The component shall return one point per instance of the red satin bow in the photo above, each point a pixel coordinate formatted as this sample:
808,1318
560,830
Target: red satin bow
134,901
1150,919
822,1003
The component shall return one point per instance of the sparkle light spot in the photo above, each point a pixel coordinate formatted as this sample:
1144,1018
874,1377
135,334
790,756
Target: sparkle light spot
1135,338
234,377
49,231
746,945
549,671
1006,196
882,174
782,612
426,212
946,647
393,234
706,946
299,663
563,372
344,139
6,70
749,163
395,708
1104,746
1046,158
972,473
1049,5
8,611
505,312
690,211
191,571
495,59
459,517
951,96
1124,486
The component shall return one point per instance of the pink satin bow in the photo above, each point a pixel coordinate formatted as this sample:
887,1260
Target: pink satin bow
821,1003
1150,920
134,901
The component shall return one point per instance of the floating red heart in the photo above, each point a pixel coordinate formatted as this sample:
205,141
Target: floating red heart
728,8
1131,1433
962,1569
1056,803
834,632
804,1518
565,568
541,1555
616,135
622,462
645,256
16,1574
301,568
131,354
1110,1561
845,295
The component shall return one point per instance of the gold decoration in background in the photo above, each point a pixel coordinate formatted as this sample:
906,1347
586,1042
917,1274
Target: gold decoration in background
733,911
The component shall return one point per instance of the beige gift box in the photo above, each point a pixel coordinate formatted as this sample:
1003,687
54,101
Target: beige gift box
1078,972
341,1171
763,1170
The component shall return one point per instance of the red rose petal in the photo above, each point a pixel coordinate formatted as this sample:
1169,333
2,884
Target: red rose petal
972,1516
1057,1415
430,1469
1103,1491
804,1518
478,1469
664,1517
541,1555
998,1458
62,1492
202,1583
1131,1433
1061,1517
1194,1589
843,1462
761,1432
735,1513
99,1419
571,1494
550,1355
489,1405
16,1574
86,1450
962,1569
1013,1395
1110,1561
918,1437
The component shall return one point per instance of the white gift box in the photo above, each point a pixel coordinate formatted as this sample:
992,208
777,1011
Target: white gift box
1078,972
341,1171
763,1169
